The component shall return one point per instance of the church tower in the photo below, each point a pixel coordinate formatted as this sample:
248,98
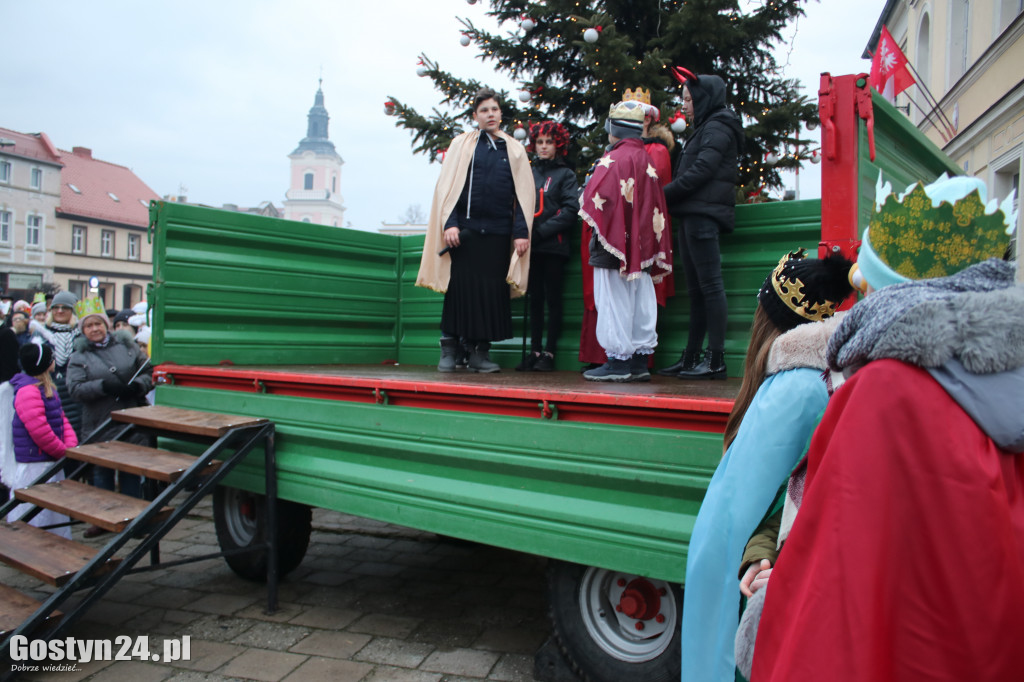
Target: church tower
314,195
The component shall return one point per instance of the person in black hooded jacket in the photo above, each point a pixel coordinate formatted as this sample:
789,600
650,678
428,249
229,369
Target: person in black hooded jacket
701,198
558,205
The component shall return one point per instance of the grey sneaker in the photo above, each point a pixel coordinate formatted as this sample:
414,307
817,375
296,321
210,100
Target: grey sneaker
613,370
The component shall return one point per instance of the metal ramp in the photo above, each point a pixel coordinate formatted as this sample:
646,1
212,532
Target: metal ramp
136,525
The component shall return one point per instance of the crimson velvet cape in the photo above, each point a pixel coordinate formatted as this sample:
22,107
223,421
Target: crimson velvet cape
906,561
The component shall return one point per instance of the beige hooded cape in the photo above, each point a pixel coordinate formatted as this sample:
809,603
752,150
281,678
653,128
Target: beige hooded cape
435,270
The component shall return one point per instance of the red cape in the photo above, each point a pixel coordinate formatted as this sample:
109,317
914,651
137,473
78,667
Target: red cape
906,561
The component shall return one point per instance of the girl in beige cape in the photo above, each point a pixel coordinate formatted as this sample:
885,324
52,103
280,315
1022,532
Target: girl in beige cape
481,237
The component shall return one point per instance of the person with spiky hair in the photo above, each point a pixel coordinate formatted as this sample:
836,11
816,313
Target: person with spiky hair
558,209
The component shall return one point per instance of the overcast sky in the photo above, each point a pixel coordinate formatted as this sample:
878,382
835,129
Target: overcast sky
213,96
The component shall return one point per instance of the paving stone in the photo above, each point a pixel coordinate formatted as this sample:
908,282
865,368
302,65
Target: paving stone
113,613
329,578
325,617
206,656
513,668
336,670
283,614
217,628
80,672
268,666
379,568
331,644
324,595
389,674
450,633
221,604
511,640
469,662
271,636
386,626
170,597
136,671
394,652
191,676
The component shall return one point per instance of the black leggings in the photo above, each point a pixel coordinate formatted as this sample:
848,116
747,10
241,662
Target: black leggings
547,273
702,264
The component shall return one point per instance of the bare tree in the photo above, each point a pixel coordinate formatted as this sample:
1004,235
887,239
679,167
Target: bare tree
413,215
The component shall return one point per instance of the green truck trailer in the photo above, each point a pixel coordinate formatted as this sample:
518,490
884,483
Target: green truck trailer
322,331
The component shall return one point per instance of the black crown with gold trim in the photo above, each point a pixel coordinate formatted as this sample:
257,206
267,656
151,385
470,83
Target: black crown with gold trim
803,290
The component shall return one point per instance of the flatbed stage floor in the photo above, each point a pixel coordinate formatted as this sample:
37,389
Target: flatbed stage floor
558,395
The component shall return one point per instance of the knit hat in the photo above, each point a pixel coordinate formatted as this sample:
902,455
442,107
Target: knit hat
91,307
38,308
35,358
803,290
932,231
64,298
22,306
123,316
626,120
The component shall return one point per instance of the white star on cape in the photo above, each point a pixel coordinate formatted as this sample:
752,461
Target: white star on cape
605,161
651,171
598,201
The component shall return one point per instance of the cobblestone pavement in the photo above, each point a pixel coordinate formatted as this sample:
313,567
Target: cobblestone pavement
371,602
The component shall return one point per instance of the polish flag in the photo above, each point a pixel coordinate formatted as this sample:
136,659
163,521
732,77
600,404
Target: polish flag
889,72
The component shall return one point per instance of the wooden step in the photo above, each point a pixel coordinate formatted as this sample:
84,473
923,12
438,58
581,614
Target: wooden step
159,465
184,421
43,555
15,609
109,510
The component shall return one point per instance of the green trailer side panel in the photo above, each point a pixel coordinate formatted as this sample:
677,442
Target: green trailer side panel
256,290
902,152
764,232
627,502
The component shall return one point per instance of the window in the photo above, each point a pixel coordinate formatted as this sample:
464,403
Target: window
78,238
307,181
113,196
37,178
74,189
959,30
134,241
79,288
334,184
5,172
107,243
924,52
33,231
6,218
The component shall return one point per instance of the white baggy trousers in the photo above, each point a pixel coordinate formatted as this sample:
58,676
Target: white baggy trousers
627,313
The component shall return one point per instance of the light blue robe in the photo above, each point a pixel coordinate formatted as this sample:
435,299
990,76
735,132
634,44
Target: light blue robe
771,440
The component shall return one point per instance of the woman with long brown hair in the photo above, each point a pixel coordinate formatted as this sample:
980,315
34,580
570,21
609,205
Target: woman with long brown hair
783,394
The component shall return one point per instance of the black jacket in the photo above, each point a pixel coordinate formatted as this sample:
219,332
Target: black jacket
488,202
704,179
553,227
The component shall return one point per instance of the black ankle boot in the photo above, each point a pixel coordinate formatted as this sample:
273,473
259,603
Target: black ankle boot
711,367
687,361
480,359
449,350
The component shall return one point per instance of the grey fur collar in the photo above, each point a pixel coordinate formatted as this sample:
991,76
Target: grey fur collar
975,316
803,346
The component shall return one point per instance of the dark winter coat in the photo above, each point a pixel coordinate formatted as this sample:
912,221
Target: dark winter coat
90,364
488,202
8,354
704,180
552,229
40,431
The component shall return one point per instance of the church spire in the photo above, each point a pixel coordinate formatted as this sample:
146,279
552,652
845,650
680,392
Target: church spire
316,139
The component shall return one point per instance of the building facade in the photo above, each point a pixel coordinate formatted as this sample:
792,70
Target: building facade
968,53
30,178
101,224
314,194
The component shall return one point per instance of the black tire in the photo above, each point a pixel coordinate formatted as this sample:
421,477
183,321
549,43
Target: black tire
240,519
603,644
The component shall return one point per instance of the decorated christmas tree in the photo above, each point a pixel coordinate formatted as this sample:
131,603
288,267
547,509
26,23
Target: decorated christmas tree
573,59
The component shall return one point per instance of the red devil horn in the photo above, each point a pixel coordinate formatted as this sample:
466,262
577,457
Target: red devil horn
683,75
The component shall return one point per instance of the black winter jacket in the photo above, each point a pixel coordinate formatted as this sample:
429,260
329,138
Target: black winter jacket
488,202
553,228
704,179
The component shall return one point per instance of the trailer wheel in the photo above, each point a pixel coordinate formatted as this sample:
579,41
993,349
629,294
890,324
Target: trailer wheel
613,626
239,517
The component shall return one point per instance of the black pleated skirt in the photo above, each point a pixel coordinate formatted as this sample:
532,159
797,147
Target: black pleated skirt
477,305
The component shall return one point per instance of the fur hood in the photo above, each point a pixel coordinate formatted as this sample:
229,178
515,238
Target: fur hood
121,336
803,346
661,134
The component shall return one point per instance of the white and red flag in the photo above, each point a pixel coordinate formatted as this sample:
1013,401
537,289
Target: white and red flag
889,72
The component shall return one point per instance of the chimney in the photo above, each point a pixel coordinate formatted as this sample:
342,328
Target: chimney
83,152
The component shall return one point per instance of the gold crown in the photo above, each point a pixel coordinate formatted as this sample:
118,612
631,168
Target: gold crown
627,111
790,290
638,95
90,306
